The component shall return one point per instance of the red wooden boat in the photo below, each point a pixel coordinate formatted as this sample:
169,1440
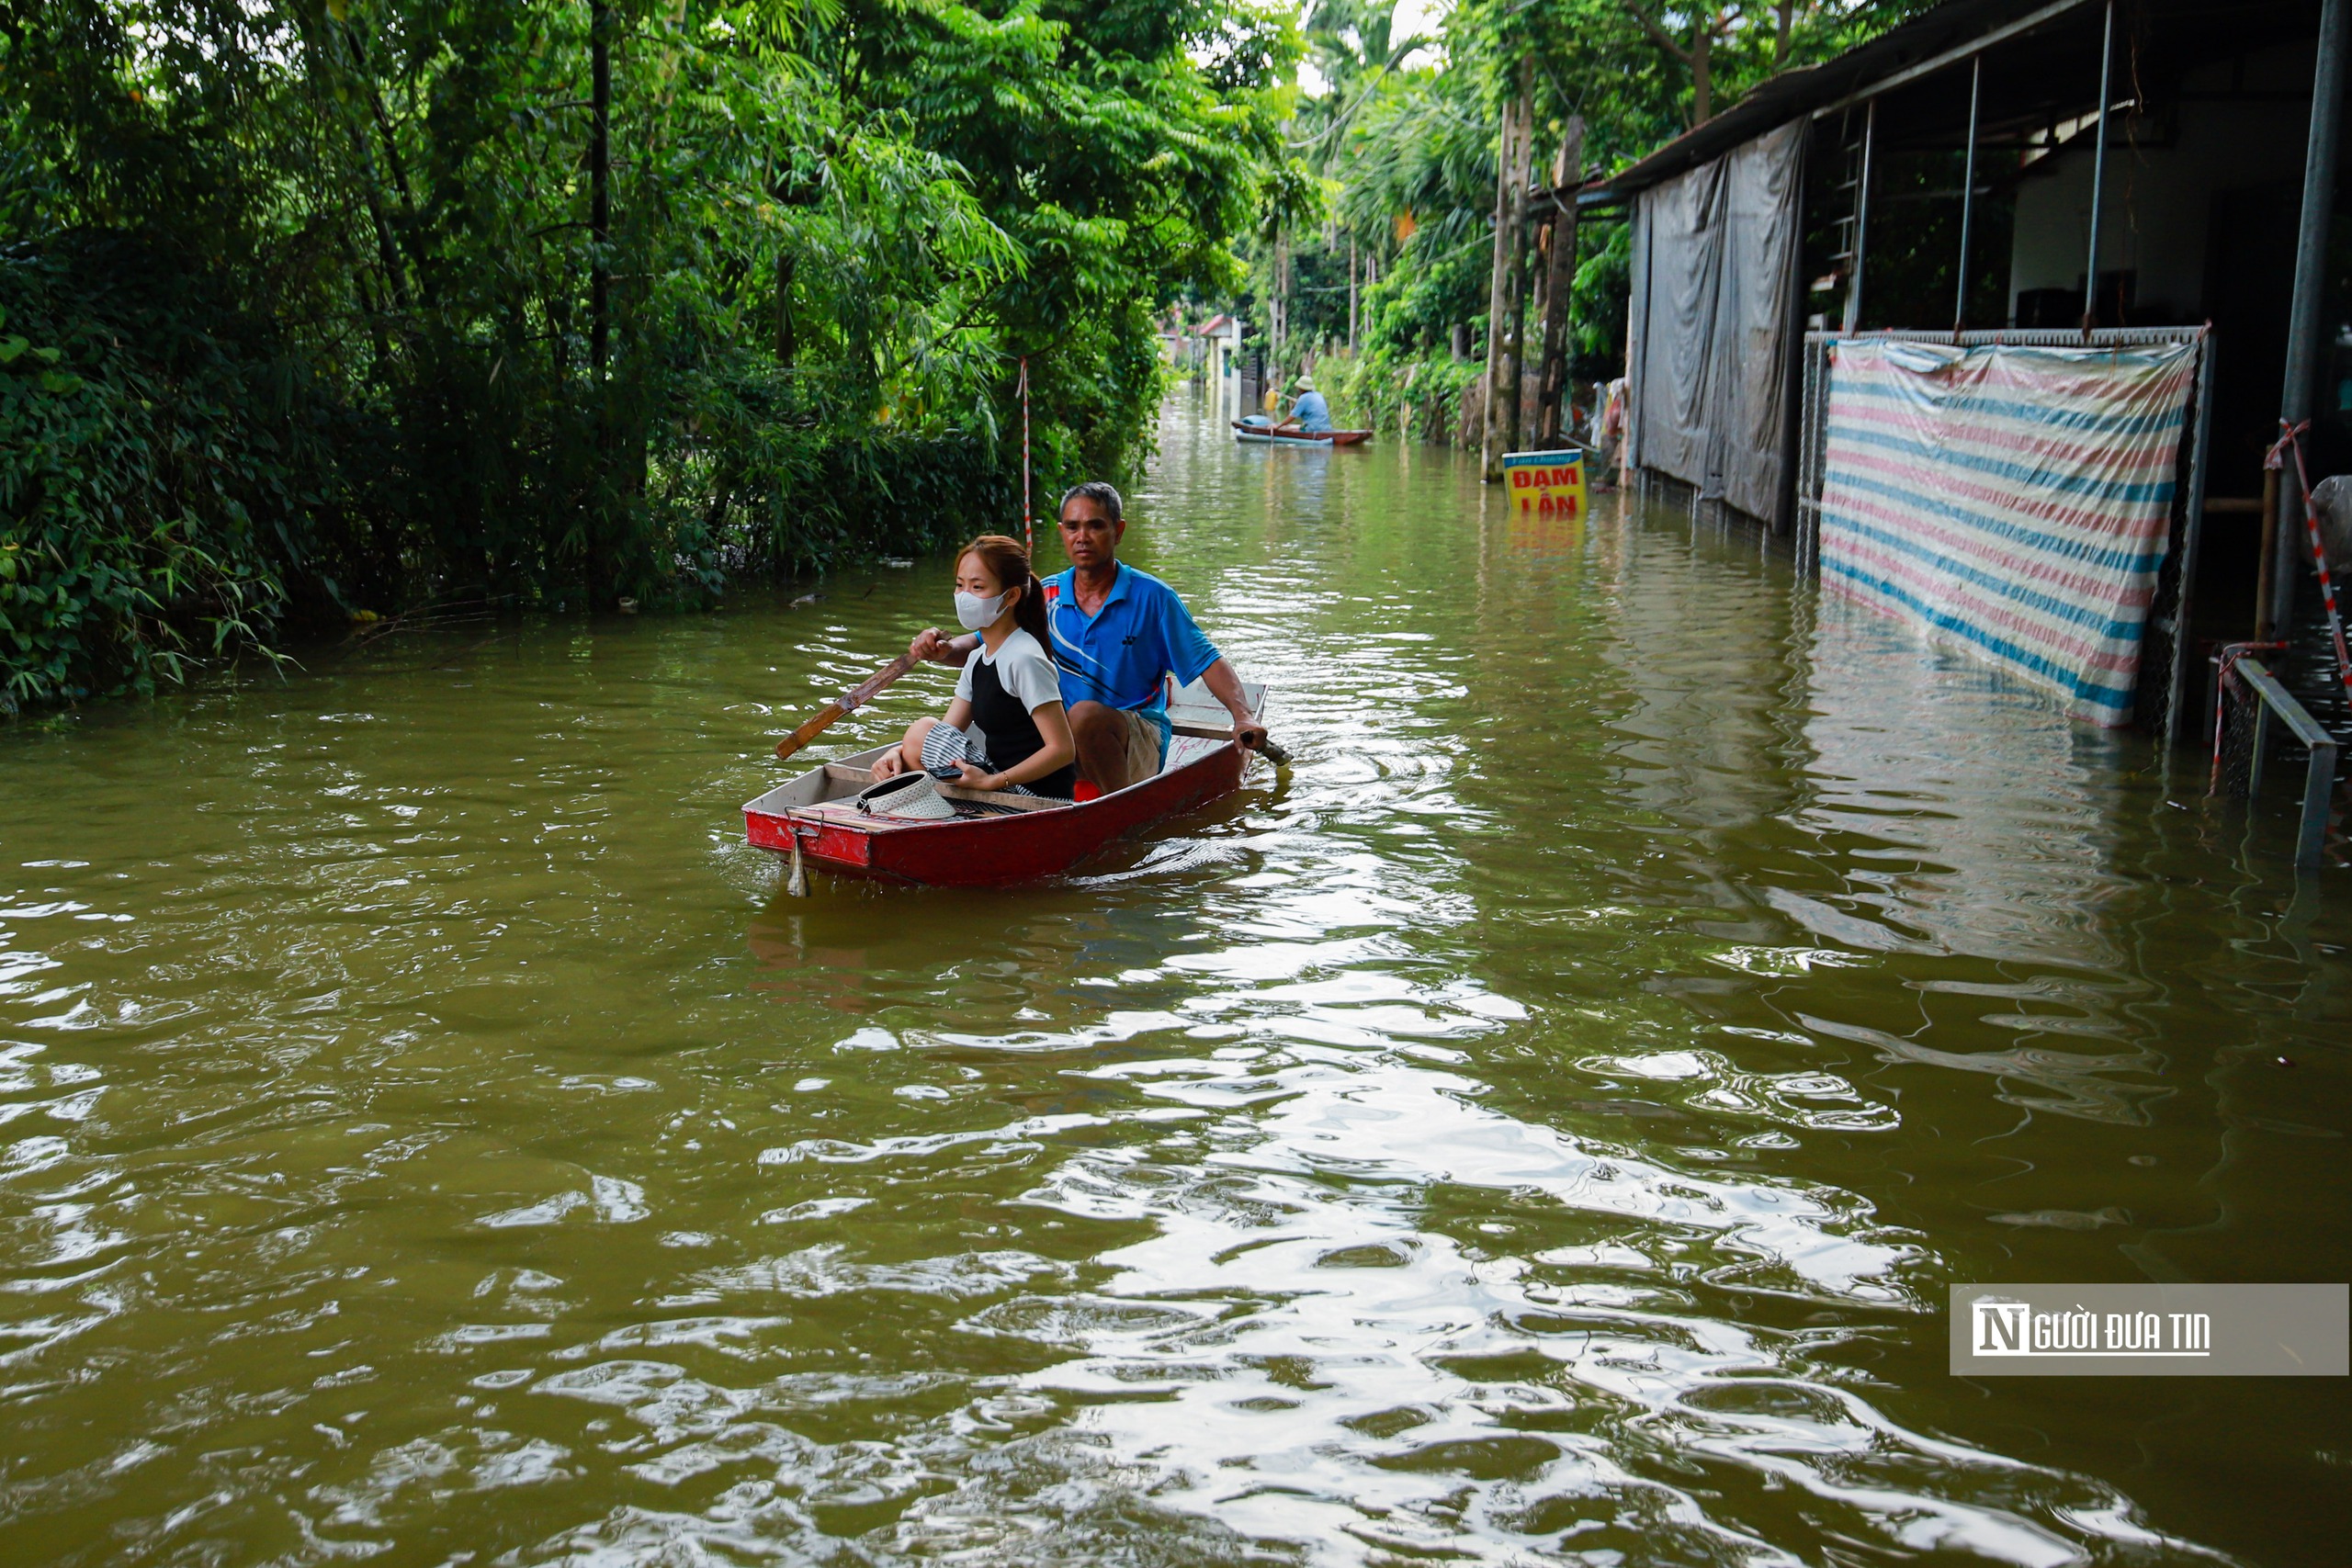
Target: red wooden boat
1006,838
1267,436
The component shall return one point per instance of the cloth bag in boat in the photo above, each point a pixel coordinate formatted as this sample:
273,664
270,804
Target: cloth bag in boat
905,794
944,746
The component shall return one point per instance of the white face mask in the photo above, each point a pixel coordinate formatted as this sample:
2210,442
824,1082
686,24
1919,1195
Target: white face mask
978,614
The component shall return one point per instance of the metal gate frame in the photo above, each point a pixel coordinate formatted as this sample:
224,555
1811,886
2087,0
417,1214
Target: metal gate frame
2273,701
2177,575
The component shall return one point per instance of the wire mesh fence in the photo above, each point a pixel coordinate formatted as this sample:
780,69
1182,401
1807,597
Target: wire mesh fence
2239,736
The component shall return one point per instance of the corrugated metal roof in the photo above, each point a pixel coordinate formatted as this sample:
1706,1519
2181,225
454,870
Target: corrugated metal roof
1920,41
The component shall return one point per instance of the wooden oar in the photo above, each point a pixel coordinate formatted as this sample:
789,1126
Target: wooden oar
1267,747
849,701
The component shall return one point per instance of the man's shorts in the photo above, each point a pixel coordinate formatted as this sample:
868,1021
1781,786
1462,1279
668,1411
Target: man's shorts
1146,745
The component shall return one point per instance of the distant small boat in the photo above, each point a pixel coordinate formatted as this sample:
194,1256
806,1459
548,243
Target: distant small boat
1267,436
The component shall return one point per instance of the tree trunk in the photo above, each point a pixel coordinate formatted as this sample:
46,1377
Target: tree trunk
600,186
1351,294
1506,302
1559,280
1277,300
787,342
1523,171
1546,221
600,288
1490,458
1282,285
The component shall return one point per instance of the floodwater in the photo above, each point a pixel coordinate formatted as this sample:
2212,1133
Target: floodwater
1541,1128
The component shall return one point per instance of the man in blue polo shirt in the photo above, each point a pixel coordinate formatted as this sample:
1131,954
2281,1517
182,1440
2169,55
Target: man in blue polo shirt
1117,634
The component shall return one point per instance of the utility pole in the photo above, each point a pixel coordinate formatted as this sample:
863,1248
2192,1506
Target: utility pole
1559,282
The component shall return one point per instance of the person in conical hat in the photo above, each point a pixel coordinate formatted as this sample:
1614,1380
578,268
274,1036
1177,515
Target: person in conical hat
1310,413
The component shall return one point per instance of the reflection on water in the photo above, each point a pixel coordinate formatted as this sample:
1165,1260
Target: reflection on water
1542,1127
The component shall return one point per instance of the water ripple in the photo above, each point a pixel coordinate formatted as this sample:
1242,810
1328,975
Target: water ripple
1541,1125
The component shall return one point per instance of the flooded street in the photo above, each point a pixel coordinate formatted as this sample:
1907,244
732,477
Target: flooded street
1543,1128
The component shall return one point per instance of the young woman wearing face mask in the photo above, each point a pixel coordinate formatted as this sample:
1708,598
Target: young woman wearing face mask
1006,729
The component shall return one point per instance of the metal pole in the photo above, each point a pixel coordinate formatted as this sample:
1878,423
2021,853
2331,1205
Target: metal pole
2098,172
1629,455
2319,784
1861,218
1785,501
2192,537
2311,257
1968,194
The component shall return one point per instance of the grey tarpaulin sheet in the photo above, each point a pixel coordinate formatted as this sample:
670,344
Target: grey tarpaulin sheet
1713,264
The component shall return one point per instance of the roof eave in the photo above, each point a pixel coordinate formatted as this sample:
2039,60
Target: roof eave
1953,29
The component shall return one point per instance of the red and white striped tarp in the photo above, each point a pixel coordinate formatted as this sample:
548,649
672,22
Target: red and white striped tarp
2017,499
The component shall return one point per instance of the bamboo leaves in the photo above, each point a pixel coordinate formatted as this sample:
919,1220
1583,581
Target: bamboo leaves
389,301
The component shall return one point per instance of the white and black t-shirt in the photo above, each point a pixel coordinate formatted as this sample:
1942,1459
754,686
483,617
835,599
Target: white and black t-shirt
1005,689
1025,669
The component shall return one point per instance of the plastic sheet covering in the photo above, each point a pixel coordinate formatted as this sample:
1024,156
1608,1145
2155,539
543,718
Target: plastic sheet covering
1713,270
2016,498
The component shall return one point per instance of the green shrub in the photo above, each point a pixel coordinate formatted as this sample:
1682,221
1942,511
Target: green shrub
155,469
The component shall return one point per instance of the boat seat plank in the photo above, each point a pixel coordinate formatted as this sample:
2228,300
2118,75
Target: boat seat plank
1186,749
1196,694
1001,797
843,809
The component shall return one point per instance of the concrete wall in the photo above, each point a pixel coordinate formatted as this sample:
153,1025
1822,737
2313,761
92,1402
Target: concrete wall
2159,198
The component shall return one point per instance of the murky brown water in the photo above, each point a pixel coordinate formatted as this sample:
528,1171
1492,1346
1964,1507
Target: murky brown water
1543,1130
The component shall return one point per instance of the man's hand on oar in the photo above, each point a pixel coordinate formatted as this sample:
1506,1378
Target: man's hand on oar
1253,738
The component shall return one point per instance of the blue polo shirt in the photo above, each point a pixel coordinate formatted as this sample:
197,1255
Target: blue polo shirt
1311,412
1121,655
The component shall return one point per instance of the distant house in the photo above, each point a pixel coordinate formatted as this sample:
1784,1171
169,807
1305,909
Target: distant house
1949,184
1218,355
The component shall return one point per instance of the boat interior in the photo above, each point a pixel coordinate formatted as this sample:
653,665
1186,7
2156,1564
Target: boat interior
831,789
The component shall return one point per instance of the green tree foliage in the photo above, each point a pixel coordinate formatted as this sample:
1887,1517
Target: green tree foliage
152,456
307,292
1403,136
